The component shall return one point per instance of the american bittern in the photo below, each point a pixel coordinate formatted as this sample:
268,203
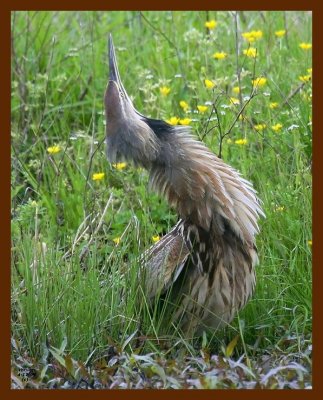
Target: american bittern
208,259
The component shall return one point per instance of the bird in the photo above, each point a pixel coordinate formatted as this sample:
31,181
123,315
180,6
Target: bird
205,265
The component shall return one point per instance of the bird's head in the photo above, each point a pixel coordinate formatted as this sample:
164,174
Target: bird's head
128,135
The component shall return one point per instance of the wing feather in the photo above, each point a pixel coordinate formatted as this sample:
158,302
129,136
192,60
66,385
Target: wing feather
164,261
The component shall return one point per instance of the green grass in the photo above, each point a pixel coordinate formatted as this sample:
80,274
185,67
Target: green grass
70,282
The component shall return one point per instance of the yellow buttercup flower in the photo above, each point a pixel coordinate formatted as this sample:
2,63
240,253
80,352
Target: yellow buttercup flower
209,84
260,127
172,121
184,105
185,121
54,149
202,109
236,89
98,176
249,38
164,90
258,82
276,127
280,33
309,70
257,34
117,240
119,166
309,242
305,78
250,52
274,104
241,142
155,239
211,24
234,100
305,46
252,36
220,55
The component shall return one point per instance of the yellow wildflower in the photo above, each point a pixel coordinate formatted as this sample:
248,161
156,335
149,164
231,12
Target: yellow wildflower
220,55
172,121
184,105
279,208
274,104
117,240
54,149
260,127
280,33
249,38
202,109
209,84
256,34
234,100
155,239
309,70
305,46
236,89
252,36
305,78
98,176
211,24
309,242
185,121
276,127
250,52
164,90
119,166
241,141
258,82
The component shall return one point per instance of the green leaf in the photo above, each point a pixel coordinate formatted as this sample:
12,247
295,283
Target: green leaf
69,364
231,346
57,356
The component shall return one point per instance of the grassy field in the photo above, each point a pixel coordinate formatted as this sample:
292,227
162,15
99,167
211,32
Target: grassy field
79,224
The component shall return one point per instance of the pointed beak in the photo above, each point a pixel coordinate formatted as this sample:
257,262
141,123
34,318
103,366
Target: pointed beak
114,71
113,66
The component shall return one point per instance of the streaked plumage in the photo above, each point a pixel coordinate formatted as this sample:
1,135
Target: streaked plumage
207,261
